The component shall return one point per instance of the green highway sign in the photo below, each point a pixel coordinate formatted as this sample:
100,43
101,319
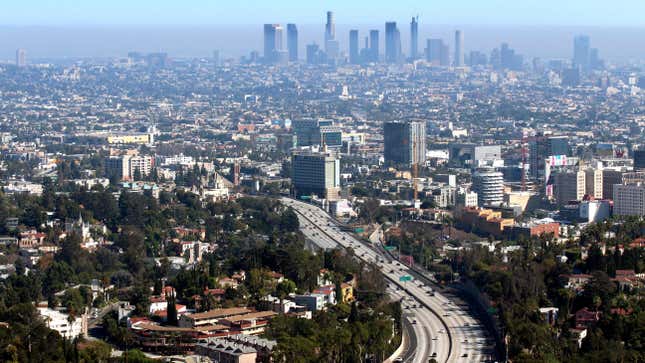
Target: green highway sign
405,278
390,248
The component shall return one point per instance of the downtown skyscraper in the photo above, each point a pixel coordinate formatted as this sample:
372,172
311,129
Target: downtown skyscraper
374,50
354,55
581,52
272,42
330,27
437,53
459,49
331,44
392,43
414,38
292,42
21,58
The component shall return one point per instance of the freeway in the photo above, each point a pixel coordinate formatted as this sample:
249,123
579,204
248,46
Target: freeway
441,326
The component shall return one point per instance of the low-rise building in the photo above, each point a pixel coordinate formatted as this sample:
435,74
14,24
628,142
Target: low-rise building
60,322
210,317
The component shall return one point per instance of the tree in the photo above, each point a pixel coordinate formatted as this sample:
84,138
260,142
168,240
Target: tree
284,288
74,302
289,221
140,298
95,351
171,309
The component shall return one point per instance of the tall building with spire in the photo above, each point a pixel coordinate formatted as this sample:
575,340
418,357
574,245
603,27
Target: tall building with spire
331,44
330,27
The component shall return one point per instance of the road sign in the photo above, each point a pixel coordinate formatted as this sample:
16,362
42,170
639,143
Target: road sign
405,278
390,248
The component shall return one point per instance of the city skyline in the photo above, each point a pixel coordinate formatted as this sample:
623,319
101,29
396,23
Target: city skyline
616,44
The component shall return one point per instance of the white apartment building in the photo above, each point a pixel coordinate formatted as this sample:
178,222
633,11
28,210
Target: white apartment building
59,321
125,167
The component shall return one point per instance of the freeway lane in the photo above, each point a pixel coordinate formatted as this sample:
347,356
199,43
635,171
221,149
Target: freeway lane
445,327
427,322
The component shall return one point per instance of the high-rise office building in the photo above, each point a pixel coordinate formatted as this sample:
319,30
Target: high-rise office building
459,49
354,55
437,52
272,42
508,59
311,132
610,177
639,159
21,57
331,44
374,46
594,59
414,38
477,58
593,183
315,55
581,52
404,142
217,59
292,42
489,186
569,185
330,27
316,173
392,43
542,147
629,199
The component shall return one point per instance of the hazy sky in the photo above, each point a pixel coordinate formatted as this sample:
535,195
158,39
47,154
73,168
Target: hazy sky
207,12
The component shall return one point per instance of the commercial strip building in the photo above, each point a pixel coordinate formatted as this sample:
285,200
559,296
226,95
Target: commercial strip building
192,328
487,222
